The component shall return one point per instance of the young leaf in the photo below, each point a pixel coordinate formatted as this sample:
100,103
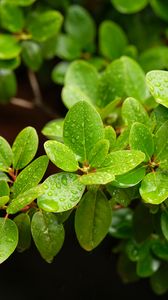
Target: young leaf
30,176
80,25
154,188
164,224
8,238
129,6
123,140
32,55
122,161
110,135
47,234
158,280
157,82
59,72
62,192
130,178
121,226
83,128
141,139
61,156
67,48
101,176
112,40
81,78
44,25
6,155
133,111
8,85
25,199
11,16
92,219
24,147
23,224
9,47
98,153
122,78
161,146
54,130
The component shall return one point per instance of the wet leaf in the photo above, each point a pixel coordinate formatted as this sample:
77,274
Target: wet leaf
8,238
133,111
24,147
62,192
92,219
161,146
23,224
130,178
61,156
83,128
98,153
47,234
101,176
54,130
6,155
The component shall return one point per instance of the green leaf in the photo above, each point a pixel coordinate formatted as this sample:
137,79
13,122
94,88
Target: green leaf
157,82
147,266
32,55
9,47
4,193
160,8
133,111
25,199
122,161
130,178
112,40
159,116
122,78
24,147
80,25
154,188
92,219
110,135
98,153
61,156
83,128
54,130
160,248
82,81
129,6
123,140
159,280
121,226
133,250
44,25
11,17
101,176
62,192
161,146
30,176
67,48
23,224
141,139
142,223
4,177
164,224
6,155
8,85
59,72
10,64
155,58
118,196
8,238
47,234
21,2
126,269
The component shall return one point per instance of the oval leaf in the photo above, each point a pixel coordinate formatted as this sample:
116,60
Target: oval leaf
83,128
62,192
98,177
47,234
8,238
6,155
54,130
164,224
32,55
129,6
133,111
98,153
24,147
154,188
9,47
30,176
23,224
92,219
161,146
61,156
8,85
12,18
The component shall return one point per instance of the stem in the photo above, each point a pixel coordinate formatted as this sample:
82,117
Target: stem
22,103
109,108
36,89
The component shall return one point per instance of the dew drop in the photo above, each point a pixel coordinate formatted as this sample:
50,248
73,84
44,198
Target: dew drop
64,180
